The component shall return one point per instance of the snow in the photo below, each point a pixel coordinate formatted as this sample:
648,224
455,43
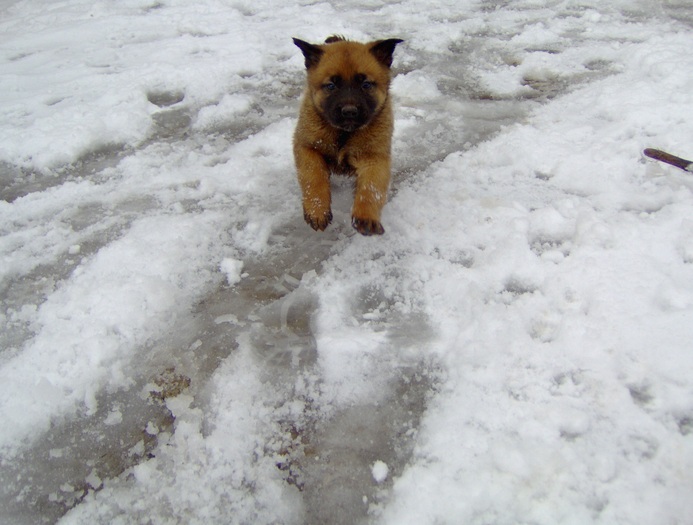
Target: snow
178,346
232,268
379,471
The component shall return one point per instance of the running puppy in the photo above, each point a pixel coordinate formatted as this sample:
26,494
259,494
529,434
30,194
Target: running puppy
345,127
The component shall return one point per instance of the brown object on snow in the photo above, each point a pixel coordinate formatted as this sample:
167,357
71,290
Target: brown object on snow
657,154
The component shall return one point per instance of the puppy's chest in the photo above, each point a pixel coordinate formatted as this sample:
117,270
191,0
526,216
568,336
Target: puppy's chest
337,155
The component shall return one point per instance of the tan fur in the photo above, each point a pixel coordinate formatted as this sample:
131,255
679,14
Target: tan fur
321,149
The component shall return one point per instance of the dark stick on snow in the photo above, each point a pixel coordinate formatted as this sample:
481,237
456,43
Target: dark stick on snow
656,154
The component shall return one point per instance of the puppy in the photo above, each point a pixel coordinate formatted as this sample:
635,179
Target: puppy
345,127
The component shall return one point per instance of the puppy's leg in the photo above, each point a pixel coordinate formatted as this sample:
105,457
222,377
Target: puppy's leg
314,179
372,182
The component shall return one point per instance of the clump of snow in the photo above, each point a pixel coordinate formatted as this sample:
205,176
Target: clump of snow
114,417
415,87
232,268
223,113
380,471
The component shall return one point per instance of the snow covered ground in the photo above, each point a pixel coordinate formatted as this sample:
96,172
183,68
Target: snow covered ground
177,346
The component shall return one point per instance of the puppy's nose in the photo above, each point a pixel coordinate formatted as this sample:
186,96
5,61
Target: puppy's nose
350,111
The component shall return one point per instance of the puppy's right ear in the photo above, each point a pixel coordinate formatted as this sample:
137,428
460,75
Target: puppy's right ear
311,53
383,50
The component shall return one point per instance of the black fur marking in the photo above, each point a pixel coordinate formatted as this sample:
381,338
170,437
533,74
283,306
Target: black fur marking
342,139
348,106
311,53
384,49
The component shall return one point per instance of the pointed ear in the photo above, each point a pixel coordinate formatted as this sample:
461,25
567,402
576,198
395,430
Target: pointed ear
383,50
311,53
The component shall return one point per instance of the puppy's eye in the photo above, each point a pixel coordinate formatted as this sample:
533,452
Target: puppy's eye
330,86
366,86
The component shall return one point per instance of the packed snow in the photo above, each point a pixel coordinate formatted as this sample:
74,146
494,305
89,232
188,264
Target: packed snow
178,346
379,471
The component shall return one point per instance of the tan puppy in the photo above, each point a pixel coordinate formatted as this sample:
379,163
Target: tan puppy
345,127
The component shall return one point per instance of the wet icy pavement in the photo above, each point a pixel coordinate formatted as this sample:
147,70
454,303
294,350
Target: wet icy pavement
179,345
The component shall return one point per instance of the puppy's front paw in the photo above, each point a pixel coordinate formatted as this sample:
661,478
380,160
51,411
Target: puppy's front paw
367,226
318,221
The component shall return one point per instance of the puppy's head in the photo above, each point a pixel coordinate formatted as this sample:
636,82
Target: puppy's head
348,81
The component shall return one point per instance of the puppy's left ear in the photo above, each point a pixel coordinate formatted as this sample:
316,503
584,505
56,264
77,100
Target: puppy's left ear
383,50
311,53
